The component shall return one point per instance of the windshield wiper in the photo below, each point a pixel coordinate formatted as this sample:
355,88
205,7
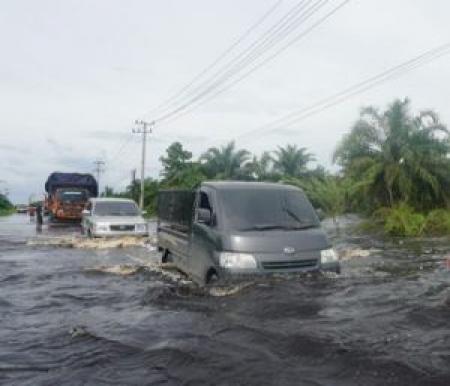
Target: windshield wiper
264,227
267,227
305,226
292,215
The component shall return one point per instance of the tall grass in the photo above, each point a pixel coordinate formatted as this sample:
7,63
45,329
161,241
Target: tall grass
403,220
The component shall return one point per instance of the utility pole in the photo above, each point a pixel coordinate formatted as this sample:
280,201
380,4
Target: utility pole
144,130
99,168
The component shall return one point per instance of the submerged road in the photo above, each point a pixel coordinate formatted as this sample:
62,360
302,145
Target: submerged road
110,317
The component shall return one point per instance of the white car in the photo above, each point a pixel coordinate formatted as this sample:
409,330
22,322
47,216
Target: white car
104,217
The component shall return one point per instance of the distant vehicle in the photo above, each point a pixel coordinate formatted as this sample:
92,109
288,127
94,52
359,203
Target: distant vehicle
67,194
31,210
104,217
22,208
227,229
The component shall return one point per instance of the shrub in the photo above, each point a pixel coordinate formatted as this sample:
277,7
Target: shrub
402,220
437,222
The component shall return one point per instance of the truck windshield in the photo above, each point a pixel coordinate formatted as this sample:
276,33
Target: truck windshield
72,195
116,209
269,209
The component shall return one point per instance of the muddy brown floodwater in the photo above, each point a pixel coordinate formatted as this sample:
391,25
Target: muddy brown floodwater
103,316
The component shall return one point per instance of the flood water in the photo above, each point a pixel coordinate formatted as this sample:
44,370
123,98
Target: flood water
102,316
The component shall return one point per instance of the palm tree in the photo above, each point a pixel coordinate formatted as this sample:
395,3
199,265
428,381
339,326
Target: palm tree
395,157
225,162
292,161
261,168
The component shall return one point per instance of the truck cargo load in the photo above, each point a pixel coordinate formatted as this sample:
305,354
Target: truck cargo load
58,180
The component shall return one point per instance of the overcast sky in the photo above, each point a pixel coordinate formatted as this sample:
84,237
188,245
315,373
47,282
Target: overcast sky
75,74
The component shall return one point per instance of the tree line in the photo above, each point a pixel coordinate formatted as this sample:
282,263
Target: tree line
392,165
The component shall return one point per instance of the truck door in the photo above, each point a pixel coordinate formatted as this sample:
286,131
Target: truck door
204,235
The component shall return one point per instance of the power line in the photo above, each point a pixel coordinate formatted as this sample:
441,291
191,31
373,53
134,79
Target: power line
183,109
220,57
358,88
261,46
237,60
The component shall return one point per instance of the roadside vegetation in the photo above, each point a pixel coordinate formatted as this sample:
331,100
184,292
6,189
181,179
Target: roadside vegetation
394,169
6,207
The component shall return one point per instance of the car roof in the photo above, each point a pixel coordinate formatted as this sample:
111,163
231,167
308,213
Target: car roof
111,199
251,185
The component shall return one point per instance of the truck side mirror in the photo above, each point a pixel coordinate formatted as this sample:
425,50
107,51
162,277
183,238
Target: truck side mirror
204,216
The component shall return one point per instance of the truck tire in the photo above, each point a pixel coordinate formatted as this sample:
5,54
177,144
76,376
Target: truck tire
211,277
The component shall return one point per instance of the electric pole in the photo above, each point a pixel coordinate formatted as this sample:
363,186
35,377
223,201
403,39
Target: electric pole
99,168
144,130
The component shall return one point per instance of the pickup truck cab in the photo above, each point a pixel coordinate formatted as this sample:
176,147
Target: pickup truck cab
228,229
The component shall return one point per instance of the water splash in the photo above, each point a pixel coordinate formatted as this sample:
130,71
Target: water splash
99,243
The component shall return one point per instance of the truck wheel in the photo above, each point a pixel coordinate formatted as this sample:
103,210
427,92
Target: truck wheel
212,276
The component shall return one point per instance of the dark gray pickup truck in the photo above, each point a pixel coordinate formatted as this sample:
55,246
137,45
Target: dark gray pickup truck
226,229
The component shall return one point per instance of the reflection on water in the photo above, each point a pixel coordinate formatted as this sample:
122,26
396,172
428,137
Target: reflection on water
116,316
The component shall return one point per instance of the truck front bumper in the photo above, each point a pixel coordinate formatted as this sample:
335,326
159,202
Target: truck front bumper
97,233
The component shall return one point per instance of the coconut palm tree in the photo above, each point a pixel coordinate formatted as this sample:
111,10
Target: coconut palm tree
225,162
395,157
292,161
261,168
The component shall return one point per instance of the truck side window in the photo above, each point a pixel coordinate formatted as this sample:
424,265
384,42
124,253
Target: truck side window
204,201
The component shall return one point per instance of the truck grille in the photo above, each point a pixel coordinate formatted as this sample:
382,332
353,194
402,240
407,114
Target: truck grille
289,264
122,227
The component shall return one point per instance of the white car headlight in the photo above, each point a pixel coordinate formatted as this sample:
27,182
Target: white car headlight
141,228
328,256
101,227
237,260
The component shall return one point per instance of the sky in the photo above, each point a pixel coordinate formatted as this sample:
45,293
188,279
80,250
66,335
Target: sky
76,74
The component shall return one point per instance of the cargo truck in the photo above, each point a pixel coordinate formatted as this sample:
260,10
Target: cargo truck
67,194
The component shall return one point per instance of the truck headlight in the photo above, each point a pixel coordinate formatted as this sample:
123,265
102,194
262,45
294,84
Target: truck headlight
328,256
102,227
141,228
237,260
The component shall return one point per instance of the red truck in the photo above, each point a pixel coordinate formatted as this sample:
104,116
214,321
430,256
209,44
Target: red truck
67,194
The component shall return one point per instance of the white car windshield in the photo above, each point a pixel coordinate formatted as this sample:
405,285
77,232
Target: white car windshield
116,209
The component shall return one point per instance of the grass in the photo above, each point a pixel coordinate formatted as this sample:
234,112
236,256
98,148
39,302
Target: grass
7,212
402,220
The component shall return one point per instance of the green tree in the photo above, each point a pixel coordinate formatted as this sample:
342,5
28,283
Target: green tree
5,205
225,162
261,168
394,157
292,161
329,193
108,192
133,192
175,162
